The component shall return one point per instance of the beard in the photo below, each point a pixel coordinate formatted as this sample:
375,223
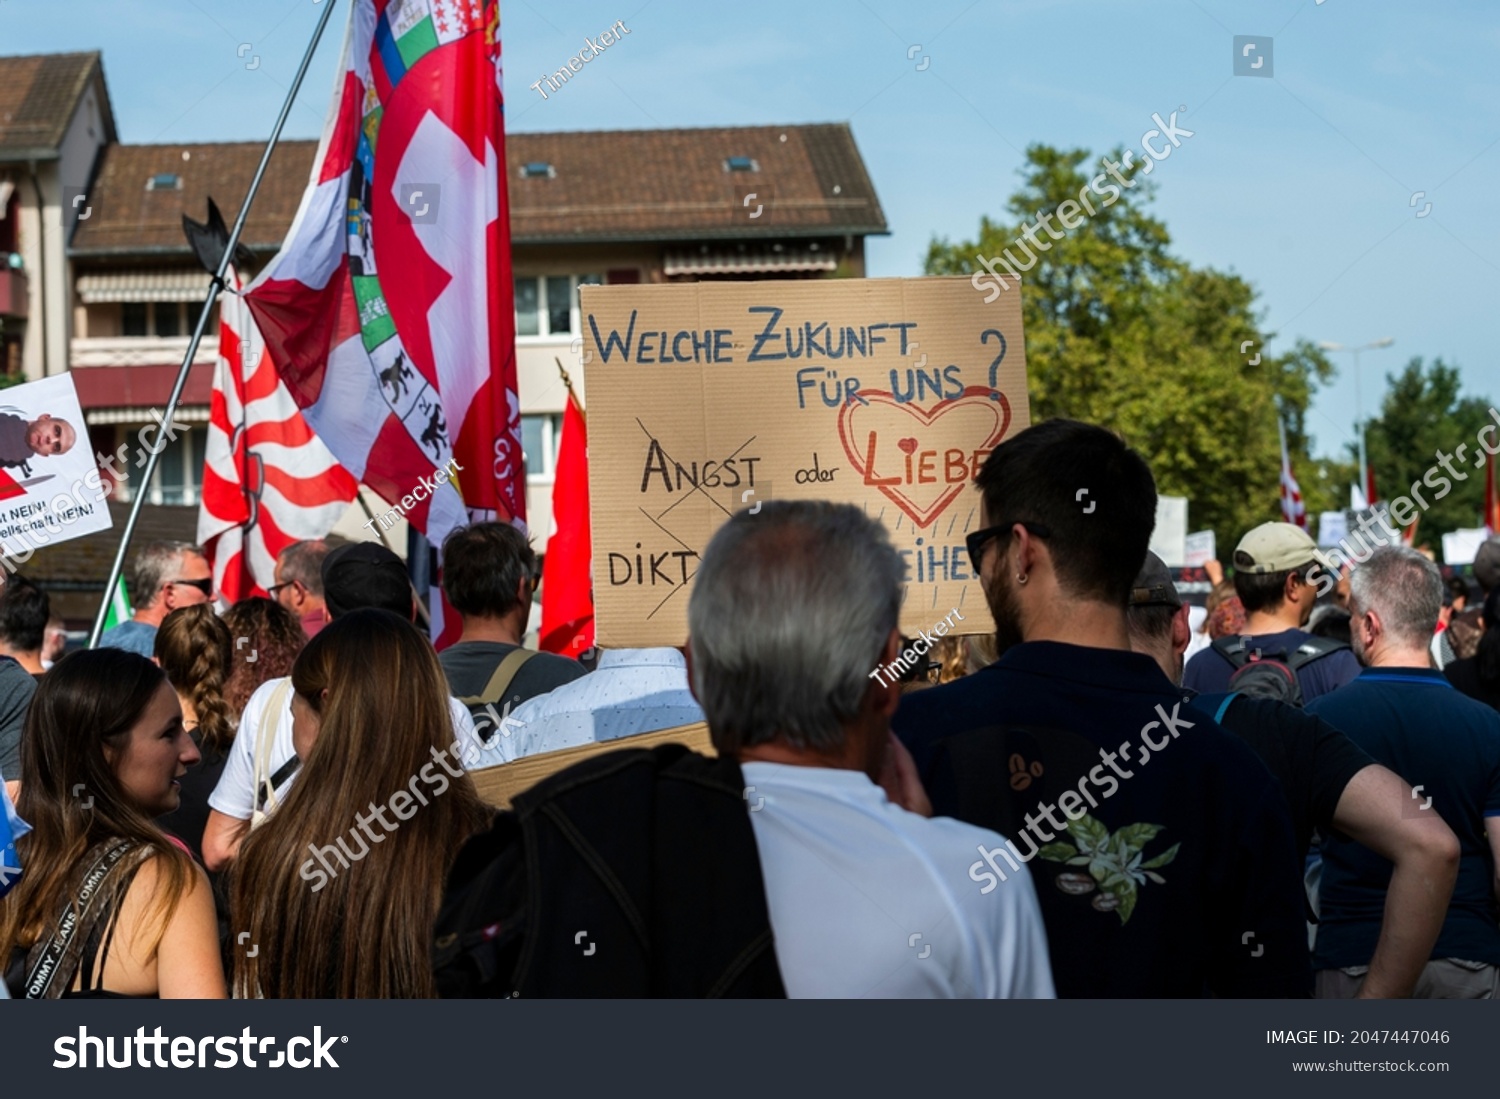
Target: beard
1357,643
1005,608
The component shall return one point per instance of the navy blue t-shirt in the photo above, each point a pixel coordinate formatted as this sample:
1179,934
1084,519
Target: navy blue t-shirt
1175,872
1208,671
1438,739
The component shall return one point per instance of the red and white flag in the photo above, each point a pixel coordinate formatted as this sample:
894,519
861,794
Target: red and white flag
267,479
567,585
1292,509
389,309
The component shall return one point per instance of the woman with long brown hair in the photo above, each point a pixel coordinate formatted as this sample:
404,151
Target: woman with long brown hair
194,648
337,905
103,749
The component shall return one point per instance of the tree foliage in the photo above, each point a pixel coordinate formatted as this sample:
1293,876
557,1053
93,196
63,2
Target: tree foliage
1424,414
1121,333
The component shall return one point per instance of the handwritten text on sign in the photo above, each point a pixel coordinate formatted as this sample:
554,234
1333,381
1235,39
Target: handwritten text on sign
708,398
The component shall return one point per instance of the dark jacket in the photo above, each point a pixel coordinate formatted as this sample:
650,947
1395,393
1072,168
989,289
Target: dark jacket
634,873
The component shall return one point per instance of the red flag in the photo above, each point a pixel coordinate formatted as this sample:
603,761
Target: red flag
1491,503
9,488
388,310
567,591
1370,496
268,481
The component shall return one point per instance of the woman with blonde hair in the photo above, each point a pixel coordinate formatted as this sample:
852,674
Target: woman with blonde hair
107,905
193,647
338,906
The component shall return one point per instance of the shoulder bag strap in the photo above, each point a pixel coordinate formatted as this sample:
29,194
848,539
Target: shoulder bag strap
494,690
54,966
265,783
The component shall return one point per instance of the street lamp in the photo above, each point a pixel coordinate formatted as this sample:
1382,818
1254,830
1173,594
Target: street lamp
1359,415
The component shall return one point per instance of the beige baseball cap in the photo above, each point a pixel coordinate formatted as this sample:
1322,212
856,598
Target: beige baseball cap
1277,547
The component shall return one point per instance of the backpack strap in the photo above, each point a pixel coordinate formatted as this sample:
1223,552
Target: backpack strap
265,783
1231,649
500,682
1314,648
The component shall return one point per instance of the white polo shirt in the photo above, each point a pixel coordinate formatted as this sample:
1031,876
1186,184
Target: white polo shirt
869,900
234,796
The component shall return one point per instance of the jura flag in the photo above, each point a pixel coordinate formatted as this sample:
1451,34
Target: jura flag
1292,509
388,311
268,481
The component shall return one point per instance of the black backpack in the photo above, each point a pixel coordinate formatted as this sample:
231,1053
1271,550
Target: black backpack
634,873
1272,673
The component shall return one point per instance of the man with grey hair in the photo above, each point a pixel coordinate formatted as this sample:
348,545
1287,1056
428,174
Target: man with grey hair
297,583
1405,714
167,575
792,608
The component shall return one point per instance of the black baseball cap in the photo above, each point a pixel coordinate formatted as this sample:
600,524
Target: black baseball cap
366,574
1153,585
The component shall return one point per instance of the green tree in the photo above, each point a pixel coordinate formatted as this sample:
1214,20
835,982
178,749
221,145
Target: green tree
1424,414
1121,333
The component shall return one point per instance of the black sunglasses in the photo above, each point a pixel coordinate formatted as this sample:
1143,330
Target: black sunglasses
206,586
977,540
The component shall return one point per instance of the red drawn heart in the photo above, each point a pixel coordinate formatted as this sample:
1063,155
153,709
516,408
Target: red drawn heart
987,418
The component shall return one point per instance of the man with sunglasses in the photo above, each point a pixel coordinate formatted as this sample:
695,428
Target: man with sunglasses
1161,847
167,575
297,583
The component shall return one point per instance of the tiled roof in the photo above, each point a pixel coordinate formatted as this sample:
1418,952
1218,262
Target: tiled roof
129,219
672,184
38,96
626,185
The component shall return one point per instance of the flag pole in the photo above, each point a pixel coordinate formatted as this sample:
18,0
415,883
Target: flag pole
568,384
215,287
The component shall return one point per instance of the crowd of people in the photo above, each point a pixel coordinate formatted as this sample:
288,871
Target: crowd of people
1290,792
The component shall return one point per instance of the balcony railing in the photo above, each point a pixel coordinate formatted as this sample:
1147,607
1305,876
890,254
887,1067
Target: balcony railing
140,350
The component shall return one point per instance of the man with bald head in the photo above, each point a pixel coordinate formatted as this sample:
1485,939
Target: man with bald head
22,440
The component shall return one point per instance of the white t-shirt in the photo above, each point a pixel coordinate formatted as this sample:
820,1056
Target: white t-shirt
869,900
234,796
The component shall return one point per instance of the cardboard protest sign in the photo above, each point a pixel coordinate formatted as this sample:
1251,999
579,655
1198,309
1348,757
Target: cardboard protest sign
50,489
708,398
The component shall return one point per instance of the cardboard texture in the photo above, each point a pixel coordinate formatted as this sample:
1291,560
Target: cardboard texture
708,398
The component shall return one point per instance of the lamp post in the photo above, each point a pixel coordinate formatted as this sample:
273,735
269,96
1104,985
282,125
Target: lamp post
1359,414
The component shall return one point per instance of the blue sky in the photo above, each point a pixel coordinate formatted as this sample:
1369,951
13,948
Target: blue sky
1302,183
